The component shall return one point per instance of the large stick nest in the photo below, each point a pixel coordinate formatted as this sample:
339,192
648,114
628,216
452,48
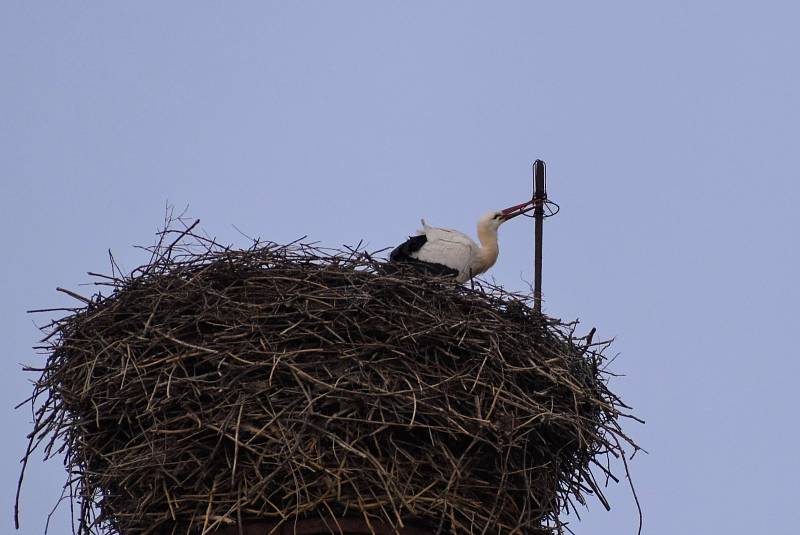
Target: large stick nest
212,386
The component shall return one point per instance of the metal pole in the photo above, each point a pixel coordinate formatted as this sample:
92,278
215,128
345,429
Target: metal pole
539,196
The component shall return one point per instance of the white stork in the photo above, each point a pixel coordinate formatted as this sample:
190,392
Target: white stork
443,251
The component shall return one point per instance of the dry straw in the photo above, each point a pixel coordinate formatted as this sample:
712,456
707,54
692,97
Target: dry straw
213,386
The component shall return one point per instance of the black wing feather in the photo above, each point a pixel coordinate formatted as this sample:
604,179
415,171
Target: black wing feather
402,253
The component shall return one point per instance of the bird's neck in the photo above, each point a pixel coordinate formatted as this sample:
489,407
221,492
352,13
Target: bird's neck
489,246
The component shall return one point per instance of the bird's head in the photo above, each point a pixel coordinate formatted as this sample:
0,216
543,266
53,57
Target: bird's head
493,220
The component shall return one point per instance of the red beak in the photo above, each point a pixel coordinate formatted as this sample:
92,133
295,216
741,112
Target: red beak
518,209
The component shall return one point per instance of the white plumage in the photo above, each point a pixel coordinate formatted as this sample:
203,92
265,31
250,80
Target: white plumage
445,251
458,251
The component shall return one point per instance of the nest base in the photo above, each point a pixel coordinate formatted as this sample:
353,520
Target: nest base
216,386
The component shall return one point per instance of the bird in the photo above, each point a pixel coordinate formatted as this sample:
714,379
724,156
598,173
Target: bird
448,252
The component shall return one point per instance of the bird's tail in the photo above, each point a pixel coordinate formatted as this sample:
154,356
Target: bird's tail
424,228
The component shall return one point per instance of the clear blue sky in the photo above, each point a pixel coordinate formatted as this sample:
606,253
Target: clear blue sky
671,135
